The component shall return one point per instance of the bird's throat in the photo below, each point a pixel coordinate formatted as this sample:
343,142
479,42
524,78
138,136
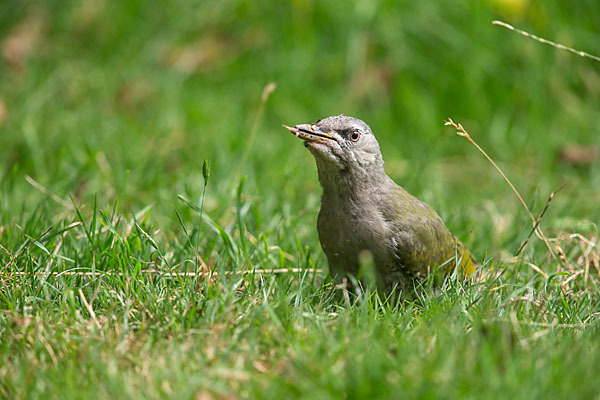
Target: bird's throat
351,182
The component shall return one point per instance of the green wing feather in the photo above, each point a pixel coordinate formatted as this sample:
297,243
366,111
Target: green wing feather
421,238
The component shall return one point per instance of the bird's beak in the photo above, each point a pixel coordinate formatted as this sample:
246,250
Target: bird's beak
309,132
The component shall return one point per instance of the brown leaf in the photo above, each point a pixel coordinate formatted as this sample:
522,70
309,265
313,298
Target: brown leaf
134,94
578,155
206,395
199,55
23,40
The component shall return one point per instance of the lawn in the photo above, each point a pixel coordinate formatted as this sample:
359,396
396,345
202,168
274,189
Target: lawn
148,192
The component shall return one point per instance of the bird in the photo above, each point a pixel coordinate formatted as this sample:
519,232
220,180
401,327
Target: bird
364,210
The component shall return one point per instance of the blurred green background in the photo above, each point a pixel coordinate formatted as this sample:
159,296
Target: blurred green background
127,98
117,104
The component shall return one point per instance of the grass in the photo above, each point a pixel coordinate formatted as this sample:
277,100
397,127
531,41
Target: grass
108,111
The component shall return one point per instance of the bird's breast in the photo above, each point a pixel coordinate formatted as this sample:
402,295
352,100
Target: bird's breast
344,232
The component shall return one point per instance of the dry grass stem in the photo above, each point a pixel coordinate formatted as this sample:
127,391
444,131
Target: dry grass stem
535,223
267,90
589,254
538,270
175,274
88,307
42,189
538,324
10,255
548,42
539,220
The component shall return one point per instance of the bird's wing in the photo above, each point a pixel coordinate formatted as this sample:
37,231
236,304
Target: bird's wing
422,241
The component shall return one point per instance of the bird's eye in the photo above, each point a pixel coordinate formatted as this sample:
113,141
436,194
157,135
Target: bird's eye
354,136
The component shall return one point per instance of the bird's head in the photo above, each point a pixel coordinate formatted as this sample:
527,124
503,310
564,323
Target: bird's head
340,143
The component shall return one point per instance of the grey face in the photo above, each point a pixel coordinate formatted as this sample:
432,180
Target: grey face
340,142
